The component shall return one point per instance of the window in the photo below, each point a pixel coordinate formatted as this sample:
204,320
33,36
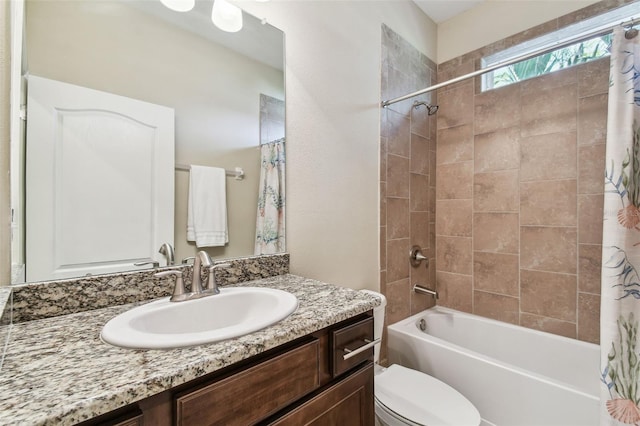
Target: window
578,53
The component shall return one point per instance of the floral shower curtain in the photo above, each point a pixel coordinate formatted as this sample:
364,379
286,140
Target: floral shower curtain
270,236
620,307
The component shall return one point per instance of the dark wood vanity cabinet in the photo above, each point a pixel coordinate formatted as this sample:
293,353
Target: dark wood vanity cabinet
305,382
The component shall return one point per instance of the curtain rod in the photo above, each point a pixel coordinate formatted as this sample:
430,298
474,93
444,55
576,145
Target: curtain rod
542,51
238,173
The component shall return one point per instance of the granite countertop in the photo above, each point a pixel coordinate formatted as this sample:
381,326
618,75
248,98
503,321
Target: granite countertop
58,371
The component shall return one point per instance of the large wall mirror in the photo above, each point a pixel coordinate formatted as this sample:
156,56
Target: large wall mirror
226,91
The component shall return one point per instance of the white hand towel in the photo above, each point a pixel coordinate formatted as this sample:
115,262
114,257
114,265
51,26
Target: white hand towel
207,207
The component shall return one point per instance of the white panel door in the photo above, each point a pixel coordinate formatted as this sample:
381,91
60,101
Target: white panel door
99,181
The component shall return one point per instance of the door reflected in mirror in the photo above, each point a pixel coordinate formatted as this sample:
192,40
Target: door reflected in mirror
226,89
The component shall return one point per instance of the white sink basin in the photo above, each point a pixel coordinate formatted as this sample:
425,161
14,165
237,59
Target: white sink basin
234,312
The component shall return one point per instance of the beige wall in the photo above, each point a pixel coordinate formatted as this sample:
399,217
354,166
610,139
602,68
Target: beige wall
333,126
494,20
5,208
215,93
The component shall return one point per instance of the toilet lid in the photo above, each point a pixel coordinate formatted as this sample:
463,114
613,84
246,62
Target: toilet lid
423,399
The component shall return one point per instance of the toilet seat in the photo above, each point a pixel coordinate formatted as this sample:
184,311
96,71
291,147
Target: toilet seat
419,399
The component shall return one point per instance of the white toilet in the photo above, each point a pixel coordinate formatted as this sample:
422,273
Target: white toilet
409,397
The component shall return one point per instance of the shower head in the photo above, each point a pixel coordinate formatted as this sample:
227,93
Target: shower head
431,109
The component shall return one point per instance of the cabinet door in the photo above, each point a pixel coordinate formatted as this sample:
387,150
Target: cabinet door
347,403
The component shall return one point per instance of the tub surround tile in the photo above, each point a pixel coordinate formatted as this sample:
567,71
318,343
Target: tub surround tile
496,191
548,294
589,267
70,375
455,181
496,273
499,150
548,110
551,203
397,261
496,306
54,298
496,232
549,325
593,77
589,317
455,144
591,165
420,230
398,300
454,218
592,125
497,109
454,254
456,106
397,176
398,134
419,195
455,291
552,249
398,213
419,161
548,156
590,213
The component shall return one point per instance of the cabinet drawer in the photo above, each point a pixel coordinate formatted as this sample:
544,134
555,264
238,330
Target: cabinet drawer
350,338
254,393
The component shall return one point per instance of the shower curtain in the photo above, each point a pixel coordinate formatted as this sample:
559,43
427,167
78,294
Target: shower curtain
620,306
270,235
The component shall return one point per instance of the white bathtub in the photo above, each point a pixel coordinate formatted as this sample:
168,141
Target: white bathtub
513,375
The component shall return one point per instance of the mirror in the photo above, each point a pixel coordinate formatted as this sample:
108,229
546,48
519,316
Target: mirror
227,90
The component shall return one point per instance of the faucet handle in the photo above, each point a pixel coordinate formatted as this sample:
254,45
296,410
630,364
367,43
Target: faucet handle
155,263
186,260
179,293
166,249
212,286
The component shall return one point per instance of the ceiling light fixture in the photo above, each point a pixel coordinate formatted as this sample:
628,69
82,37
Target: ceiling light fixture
226,16
179,5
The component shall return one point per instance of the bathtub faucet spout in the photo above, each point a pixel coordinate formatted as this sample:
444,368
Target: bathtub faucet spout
423,290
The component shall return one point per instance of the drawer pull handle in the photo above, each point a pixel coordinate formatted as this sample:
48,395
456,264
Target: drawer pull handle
353,352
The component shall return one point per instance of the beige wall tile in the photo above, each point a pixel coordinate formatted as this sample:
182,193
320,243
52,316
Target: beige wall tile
552,249
553,81
550,325
432,201
383,248
455,144
590,214
548,110
496,306
453,254
398,215
549,156
420,121
398,259
419,193
548,294
397,176
499,150
592,119
420,229
455,291
383,159
419,161
549,203
589,268
593,77
589,317
496,191
420,302
456,106
496,273
398,301
591,169
398,134
455,181
496,232
383,204
497,109
454,218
